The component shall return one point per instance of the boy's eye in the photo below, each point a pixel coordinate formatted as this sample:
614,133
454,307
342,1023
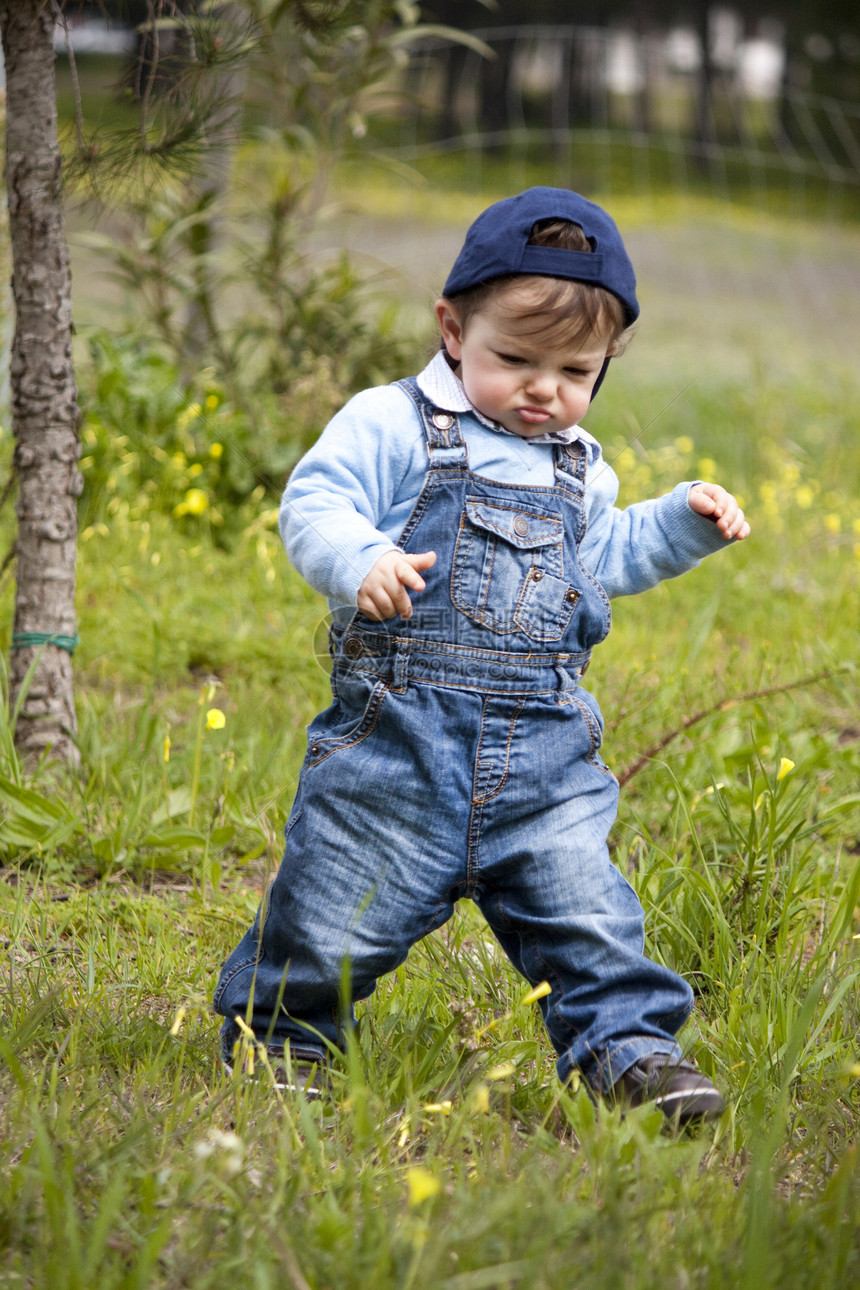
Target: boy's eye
511,358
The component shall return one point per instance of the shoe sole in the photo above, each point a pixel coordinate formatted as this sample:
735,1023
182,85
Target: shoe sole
311,1091
686,1108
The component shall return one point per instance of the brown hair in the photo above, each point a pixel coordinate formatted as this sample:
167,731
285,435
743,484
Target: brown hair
568,312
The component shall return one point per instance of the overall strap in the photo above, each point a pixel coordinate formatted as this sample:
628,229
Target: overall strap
446,447
570,460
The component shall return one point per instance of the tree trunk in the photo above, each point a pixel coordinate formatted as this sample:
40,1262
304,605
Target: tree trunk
44,397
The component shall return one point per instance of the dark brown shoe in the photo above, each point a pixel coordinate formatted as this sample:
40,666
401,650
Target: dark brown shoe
679,1088
288,1072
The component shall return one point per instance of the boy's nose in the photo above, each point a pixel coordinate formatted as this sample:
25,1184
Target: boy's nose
540,385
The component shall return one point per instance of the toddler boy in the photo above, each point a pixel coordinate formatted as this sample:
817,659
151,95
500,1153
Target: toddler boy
463,528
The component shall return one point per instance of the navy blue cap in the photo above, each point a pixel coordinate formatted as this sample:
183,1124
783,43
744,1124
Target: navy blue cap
496,245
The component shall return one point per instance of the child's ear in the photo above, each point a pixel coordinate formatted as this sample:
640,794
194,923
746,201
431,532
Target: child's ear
450,327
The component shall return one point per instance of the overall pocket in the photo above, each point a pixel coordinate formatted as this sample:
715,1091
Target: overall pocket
349,720
508,566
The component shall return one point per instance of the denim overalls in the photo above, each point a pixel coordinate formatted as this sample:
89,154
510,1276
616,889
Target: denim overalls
460,757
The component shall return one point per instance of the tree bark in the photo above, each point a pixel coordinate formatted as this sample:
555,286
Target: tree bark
44,396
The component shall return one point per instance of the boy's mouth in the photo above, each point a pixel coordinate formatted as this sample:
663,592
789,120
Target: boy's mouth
535,416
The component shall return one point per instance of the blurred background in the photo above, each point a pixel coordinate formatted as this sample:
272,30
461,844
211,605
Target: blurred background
708,130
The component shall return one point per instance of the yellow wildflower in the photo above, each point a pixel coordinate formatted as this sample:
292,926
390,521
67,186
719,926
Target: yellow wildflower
177,1021
421,1185
167,746
832,523
215,719
707,467
684,443
539,992
196,501
501,1071
804,497
191,413
855,524
438,1108
216,450
481,1098
785,768
212,402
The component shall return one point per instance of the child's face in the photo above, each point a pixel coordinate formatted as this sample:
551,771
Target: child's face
527,384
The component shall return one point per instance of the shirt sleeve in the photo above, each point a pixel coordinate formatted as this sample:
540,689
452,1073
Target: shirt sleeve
630,550
342,489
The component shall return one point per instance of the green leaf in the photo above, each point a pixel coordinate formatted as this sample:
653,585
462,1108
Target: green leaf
178,803
175,839
444,33
23,802
33,820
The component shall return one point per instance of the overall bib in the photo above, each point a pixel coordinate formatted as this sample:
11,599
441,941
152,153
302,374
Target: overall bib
460,757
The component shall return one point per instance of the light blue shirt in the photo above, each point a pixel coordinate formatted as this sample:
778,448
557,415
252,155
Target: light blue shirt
348,499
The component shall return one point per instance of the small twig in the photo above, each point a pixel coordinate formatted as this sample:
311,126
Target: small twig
10,556
76,84
8,487
722,706
291,1266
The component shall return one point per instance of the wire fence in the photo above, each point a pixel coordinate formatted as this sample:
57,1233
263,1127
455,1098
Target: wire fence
599,102
767,280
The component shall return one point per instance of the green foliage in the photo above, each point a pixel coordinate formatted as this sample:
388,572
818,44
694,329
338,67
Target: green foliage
260,313
447,1155
125,816
220,275
244,343
155,441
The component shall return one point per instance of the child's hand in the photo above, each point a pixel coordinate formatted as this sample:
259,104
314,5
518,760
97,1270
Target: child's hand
714,502
383,592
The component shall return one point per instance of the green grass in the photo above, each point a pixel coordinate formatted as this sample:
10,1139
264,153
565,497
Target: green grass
447,1156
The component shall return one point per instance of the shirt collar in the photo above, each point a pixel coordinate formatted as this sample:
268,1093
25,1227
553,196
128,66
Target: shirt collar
445,389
